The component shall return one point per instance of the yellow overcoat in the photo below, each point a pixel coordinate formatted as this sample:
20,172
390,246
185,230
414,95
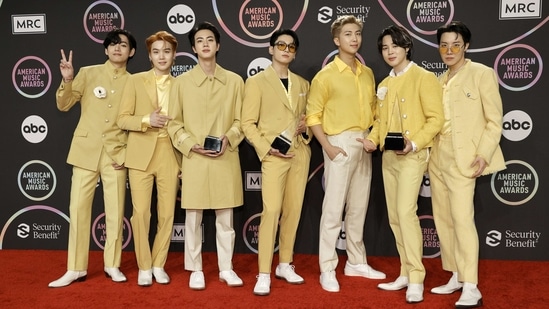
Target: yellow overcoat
202,106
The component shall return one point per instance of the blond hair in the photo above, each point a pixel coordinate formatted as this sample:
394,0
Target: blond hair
342,21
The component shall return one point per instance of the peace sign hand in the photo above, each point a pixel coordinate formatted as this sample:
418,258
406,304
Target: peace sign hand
67,71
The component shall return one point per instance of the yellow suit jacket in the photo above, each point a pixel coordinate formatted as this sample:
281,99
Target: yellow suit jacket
476,115
98,88
140,99
418,96
267,110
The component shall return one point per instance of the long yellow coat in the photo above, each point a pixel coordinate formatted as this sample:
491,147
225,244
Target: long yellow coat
202,106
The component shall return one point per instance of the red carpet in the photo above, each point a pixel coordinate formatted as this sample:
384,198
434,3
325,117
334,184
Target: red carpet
504,284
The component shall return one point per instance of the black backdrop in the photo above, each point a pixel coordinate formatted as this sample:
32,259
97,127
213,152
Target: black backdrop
508,35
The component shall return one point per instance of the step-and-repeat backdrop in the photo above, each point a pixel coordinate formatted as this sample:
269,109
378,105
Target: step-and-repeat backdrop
510,36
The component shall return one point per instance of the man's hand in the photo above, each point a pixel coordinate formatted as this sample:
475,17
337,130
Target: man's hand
159,120
481,166
66,68
367,144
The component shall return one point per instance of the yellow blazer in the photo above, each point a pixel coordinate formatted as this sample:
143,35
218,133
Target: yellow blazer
267,111
97,125
419,98
476,116
140,99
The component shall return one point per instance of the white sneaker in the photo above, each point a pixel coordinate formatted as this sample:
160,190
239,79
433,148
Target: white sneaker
287,272
196,281
263,285
470,297
160,275
362,270
400,283
414,293
230,277
144,278
450,287
328,281
115,274
69,277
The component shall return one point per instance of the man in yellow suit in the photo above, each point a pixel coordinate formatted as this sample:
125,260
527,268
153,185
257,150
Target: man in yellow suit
98,149
151,158
466,148
274,105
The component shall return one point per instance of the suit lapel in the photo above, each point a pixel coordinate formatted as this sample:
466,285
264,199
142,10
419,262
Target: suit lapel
150,88
274,82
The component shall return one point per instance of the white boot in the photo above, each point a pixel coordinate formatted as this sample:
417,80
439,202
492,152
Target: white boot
470,297
450,287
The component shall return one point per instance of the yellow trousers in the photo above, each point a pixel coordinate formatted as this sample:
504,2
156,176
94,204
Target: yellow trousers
163,170
402,178
83,186
454,212
283,183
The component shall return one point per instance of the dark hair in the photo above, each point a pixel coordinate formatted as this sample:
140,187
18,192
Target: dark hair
204,26
113,37
456,27
281,32
400,37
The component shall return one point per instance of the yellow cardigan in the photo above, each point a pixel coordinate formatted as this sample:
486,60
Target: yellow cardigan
419,97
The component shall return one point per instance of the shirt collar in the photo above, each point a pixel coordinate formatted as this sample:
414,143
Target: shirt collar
200,77
341,66
114,69
392,73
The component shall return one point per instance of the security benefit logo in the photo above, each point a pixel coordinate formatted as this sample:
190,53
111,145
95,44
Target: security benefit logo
513,239
36,227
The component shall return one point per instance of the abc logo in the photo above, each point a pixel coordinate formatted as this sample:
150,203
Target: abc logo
517,125
425,189
34,129
181,19
257,65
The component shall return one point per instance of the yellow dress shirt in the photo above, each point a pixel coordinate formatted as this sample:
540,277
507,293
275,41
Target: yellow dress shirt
341,100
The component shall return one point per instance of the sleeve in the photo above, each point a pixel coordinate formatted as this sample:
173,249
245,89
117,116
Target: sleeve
127,120
315,103
493,114
68,94
430,96
235,135
181,139
251,108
